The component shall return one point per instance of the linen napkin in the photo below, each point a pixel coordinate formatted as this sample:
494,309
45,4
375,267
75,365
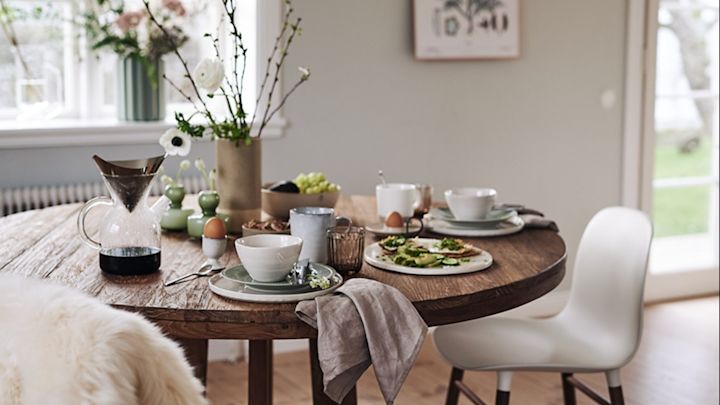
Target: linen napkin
532,218
364,322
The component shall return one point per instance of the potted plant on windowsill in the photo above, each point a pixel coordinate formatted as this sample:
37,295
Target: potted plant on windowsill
140,46
236,130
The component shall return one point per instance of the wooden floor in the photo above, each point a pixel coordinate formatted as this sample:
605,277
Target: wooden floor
677,364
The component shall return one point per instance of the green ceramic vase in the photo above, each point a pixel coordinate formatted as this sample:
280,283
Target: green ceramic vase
141,90
208,202
175,218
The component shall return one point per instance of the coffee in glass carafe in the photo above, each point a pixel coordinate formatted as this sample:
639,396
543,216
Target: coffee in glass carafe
129,233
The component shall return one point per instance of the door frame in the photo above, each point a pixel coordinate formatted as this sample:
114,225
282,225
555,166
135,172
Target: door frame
639,144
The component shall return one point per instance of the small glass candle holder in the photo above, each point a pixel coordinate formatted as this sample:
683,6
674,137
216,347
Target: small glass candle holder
346,245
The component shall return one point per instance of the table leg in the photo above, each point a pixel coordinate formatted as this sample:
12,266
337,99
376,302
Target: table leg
318,391
260,372
196,353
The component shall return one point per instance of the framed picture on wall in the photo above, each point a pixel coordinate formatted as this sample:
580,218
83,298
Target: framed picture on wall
466,29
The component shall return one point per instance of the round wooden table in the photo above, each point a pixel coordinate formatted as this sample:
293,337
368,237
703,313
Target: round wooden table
44,244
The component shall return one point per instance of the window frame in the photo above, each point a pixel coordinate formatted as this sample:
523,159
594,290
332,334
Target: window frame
83,124
638,183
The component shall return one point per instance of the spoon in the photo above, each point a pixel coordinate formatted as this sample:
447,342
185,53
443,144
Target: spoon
382,178
299,272
204,271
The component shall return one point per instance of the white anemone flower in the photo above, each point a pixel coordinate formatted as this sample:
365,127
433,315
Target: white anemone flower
176,142
209,74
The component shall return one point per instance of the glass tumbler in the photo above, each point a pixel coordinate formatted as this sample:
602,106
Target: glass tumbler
345,248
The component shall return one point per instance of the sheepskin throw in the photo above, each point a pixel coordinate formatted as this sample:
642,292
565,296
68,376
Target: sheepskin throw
61,347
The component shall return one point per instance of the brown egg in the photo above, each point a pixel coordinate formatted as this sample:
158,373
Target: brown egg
394,220
214,228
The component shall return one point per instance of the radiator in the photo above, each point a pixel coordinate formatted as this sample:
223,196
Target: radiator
20,199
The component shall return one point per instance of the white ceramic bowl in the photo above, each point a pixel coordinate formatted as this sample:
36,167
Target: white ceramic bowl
268,258
470,203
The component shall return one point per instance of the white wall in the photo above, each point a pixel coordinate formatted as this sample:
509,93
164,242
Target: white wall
533,128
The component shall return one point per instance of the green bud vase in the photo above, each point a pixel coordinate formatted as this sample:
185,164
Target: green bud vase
208,202
175,218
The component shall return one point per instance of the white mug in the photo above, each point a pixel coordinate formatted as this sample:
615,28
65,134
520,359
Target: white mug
311,225
398,197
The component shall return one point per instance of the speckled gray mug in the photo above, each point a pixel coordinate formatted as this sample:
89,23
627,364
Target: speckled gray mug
311,224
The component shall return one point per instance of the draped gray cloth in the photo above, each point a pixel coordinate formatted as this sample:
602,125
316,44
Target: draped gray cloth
364,322
531,217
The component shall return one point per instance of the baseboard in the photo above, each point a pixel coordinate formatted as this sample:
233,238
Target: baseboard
679,285
290,345
225,350
236,350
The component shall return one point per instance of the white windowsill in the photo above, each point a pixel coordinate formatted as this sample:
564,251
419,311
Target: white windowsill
77,132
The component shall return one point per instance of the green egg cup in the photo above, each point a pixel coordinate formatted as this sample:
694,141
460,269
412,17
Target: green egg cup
175,218
208,202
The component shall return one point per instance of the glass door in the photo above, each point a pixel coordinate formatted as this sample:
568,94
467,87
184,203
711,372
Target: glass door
684,192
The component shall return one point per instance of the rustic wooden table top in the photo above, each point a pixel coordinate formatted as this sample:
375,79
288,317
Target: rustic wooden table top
45,244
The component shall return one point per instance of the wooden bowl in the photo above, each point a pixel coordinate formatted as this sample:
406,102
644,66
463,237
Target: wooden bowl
278,204
252,231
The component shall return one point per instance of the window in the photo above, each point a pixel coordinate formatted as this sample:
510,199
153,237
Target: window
66,81
685,174
34,76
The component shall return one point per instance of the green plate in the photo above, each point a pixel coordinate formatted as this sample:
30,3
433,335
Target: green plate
240,275
493,217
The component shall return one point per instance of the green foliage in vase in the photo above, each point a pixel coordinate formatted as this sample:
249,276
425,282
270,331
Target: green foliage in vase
208,81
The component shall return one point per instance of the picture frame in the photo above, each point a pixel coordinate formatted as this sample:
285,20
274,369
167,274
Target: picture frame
466,29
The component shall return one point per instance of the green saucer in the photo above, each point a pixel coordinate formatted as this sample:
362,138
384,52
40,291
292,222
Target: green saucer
240,275
493,217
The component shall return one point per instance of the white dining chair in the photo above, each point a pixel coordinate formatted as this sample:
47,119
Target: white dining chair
598,331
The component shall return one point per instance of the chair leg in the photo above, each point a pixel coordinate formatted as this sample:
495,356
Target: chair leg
615,387
502,397
453,393
568,390
504,380
616,396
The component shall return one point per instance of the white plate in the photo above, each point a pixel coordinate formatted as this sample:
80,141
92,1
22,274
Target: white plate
382,230
238,291
476,263
510,226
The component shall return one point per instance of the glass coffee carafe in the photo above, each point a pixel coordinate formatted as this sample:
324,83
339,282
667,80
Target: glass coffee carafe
129,233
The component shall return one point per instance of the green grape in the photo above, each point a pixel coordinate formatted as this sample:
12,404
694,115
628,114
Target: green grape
314,183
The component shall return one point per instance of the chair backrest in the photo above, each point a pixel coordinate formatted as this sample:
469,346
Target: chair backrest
606,298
